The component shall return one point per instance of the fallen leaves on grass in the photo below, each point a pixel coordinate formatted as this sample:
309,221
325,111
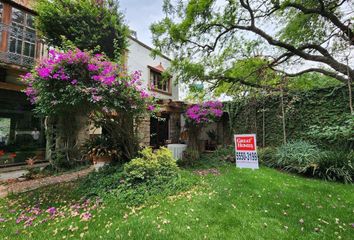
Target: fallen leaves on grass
212,171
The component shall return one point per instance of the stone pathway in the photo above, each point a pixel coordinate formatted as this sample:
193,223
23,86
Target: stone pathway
25,186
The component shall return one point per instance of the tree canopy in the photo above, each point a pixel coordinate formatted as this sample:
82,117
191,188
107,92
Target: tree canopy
87,24
253,42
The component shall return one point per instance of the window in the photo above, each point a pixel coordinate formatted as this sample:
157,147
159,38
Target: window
158,83
1,14
23,35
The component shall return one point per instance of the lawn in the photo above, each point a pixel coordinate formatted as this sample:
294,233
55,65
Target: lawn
236,204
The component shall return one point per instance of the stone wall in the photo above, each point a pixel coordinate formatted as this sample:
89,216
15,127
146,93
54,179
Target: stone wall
143,130
175,127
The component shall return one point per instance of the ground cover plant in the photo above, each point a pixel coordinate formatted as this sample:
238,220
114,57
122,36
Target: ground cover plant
308,159
227,203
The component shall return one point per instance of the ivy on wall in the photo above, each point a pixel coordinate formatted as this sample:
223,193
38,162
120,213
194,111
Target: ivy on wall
322,107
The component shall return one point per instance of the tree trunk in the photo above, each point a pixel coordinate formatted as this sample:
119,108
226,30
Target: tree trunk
283,116
65,135
193,140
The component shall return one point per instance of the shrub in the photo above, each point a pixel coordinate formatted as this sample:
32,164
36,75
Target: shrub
266,156
338,136
104,180
298,156
306,158
158,166
336,166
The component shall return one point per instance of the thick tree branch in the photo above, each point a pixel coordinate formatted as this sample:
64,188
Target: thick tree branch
326,14
319,70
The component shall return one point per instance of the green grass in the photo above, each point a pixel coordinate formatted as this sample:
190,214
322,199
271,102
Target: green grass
238,204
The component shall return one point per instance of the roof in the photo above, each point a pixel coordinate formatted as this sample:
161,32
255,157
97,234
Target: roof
148,47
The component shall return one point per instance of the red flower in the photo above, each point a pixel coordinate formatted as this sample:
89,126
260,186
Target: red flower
12,155
2,153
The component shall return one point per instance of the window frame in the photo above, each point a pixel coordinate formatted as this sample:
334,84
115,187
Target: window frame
26,34
155,88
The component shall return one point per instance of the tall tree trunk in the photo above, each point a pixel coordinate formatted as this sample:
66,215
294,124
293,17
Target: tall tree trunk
193,140
283,116
263,125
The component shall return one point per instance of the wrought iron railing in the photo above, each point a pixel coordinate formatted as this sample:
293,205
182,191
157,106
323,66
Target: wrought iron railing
18,57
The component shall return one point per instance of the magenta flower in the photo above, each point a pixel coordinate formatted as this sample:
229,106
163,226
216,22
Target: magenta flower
51,211
151,108
92,67
74,82
206,112
44,72
144,94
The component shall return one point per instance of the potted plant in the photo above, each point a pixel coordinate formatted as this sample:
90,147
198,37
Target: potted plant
100,150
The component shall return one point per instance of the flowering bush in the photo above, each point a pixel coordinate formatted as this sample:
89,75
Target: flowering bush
70,80
79,83
205,112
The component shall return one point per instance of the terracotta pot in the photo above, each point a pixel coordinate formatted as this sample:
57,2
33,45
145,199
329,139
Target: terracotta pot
101,159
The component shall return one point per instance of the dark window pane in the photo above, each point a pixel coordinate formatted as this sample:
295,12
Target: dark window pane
30,20
26,50
32,50
12,45
30,35
19,46
18,16
1,10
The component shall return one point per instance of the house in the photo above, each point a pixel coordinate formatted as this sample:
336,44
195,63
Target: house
21,133
156,133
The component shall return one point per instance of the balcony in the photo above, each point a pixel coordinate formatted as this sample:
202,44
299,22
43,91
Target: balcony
20,46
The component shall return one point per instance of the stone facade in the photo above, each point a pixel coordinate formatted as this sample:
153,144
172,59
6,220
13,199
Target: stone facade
175,127
143,130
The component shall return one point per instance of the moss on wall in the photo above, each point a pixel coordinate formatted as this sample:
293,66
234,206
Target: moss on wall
323,107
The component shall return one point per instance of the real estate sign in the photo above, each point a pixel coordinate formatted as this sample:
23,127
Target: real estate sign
246,151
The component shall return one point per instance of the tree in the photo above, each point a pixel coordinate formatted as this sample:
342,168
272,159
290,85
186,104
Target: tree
70,87
207,38
88,24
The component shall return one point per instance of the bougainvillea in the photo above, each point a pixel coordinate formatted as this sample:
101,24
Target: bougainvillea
78,80
205,112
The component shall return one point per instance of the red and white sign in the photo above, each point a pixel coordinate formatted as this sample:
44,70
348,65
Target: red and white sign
246,151
245,143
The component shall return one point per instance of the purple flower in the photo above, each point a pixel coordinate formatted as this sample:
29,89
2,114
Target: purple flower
109,80
74,82
51,211
151,108
205,112
44,72
2,220
92,67
144,94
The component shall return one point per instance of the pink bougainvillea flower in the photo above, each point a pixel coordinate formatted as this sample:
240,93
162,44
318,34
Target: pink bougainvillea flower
151,108
51,210
144,94
92,67
86,216
44,72
206,112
